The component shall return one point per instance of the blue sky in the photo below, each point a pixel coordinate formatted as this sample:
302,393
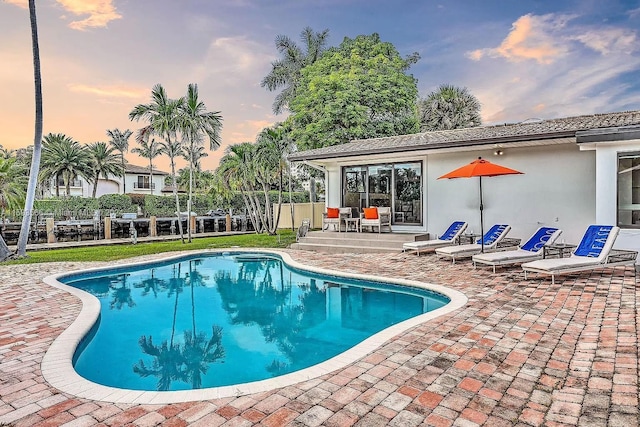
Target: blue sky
522,59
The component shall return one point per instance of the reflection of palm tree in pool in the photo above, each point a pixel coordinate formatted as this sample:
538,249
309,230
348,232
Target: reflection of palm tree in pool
197,351
121,294
173,361
281,320
198,354
167,362
152,284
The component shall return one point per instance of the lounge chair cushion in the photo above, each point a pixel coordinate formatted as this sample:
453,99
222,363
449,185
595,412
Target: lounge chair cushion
453,230
559,264
505,256
541,237
593,241
370,213
494,233
333,213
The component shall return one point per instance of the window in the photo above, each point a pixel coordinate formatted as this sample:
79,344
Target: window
629,190
398,185
143,182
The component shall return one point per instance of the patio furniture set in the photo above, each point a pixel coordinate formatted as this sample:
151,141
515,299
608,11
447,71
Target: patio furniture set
539,254
370,217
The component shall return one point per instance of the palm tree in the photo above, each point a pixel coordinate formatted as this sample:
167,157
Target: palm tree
236,172
285,72
62,157
148,150
449,107
196,124
272,147
13,183
162,114
120,142
103,162
37,139
174,149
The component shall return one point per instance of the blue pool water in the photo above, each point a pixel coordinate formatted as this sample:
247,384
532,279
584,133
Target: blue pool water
253,316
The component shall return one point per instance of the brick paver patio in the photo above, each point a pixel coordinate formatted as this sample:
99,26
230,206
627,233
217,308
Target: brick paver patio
520,353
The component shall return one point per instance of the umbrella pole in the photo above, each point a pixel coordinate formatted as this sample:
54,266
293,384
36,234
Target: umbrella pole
481,220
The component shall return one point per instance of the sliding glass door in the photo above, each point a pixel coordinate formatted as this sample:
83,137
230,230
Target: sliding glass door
397,185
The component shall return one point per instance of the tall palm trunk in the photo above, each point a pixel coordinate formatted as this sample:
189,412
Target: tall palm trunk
37,139
151,175
190,193
95,186
124,175
175,194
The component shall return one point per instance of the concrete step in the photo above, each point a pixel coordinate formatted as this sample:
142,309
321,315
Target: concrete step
353,242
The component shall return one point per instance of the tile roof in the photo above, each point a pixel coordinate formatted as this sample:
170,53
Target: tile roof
506,133
129,168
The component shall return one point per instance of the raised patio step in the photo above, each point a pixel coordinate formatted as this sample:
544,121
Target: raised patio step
353,242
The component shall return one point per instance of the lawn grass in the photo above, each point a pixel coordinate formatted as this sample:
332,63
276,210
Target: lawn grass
119,251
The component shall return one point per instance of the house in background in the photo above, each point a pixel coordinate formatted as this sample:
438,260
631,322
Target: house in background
136,180
576,171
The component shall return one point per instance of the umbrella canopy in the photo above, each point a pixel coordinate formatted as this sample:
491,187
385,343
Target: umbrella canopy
479,168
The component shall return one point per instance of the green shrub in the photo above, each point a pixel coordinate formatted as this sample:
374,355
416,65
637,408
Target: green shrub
116,203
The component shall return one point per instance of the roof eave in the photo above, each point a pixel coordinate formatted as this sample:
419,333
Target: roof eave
432,146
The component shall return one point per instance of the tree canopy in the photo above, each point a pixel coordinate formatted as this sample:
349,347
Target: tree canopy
449,107
359,89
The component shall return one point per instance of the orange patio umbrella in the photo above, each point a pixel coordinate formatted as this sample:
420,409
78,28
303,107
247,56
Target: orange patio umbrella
480,168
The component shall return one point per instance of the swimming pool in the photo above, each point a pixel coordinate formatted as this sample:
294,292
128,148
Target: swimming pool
256,315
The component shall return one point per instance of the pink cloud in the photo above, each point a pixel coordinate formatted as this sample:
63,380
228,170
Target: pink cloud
100,12
531,38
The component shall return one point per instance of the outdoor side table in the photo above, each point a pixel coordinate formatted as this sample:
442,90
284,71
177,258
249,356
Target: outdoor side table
468,238
352,224
558,250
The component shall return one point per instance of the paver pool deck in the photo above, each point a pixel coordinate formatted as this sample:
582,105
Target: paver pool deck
519,353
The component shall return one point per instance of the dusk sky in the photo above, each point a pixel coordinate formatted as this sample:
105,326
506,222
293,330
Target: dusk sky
521,59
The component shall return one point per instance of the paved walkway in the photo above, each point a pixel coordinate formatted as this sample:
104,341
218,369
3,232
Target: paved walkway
520,353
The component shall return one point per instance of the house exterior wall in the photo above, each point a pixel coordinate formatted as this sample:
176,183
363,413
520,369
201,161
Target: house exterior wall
113,185
557,188
606,155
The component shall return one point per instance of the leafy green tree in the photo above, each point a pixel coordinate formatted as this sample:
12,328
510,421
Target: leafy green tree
359,89
449,107
196,124
37,139
62,157
163,115
120,141
103,162
148,150
286,71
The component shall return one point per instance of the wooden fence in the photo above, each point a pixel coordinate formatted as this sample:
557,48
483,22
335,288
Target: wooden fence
312,211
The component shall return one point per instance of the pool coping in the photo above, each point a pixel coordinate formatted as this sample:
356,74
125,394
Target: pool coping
57,367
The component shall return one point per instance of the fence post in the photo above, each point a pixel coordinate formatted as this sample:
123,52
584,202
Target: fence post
50,225
153,231
107,227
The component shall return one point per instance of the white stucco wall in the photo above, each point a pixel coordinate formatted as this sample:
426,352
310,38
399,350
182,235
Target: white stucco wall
557,188
606,155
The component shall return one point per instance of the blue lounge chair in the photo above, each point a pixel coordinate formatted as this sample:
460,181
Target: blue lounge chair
447,238
531,250
594,251
490,241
